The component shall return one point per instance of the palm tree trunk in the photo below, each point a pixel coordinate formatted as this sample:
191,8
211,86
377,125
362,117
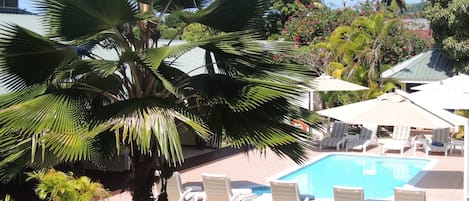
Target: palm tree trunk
142,176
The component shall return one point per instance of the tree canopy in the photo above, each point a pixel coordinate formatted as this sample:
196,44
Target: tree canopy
68,102
449,22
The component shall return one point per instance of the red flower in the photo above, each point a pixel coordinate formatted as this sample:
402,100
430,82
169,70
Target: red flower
275,57
310,6
297,38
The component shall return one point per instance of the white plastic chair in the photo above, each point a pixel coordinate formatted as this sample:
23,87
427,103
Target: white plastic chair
218,188
287,191
345,193
175,189
402,194
442,137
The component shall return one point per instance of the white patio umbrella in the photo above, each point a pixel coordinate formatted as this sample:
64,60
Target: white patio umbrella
328,83
459,82
445,98
451,93
395,108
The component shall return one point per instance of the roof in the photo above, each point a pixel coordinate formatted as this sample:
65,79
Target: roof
417,23
13,10
432,65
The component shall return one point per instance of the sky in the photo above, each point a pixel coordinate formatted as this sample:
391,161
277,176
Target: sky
27,4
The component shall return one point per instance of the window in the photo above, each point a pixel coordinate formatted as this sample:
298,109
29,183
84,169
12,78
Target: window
9,3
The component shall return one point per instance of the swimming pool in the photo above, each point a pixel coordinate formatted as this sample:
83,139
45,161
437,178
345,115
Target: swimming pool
378,175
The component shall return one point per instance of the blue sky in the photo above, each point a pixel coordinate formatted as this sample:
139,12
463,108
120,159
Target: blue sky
26,4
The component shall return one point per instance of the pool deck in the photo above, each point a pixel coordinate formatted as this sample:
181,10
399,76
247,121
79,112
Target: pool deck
444,182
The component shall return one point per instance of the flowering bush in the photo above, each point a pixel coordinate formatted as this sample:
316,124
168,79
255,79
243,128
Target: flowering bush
312,23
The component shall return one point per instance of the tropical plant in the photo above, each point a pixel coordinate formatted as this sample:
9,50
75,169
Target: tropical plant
282,10
360,52
7,198
68,102
359,44
449,20
400,4
59,186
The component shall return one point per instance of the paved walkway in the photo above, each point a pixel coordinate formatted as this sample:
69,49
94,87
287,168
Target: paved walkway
443,183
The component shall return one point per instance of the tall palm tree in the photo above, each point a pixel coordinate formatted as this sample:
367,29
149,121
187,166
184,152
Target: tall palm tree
359,45
67,103
355,55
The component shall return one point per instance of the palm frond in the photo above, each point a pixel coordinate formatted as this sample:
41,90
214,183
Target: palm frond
80,68
45,113
140,120
28,58
16,154
262,127
239,94
224,15
155,56
74,19
293,151
69,146
245,56
12,98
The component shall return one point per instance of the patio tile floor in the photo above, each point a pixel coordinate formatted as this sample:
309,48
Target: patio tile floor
444,182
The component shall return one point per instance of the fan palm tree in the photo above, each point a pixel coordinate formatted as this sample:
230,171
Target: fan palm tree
67,102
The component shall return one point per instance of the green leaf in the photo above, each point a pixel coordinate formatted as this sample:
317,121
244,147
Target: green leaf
224,15
12,98
29,58
140,120
262,127
48,112
74,19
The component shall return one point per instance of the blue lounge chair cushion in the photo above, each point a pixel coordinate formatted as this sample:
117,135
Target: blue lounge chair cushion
304,196
438,144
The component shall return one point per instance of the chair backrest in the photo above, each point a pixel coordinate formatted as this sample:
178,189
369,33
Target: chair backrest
345,193
284,191
441,135
368,131
217,187
339,129
401,133
174,187
401,194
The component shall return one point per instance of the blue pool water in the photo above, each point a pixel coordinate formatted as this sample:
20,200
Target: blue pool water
376,174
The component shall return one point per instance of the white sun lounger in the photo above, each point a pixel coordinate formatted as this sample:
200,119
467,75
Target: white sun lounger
366,138
400,139
336,136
